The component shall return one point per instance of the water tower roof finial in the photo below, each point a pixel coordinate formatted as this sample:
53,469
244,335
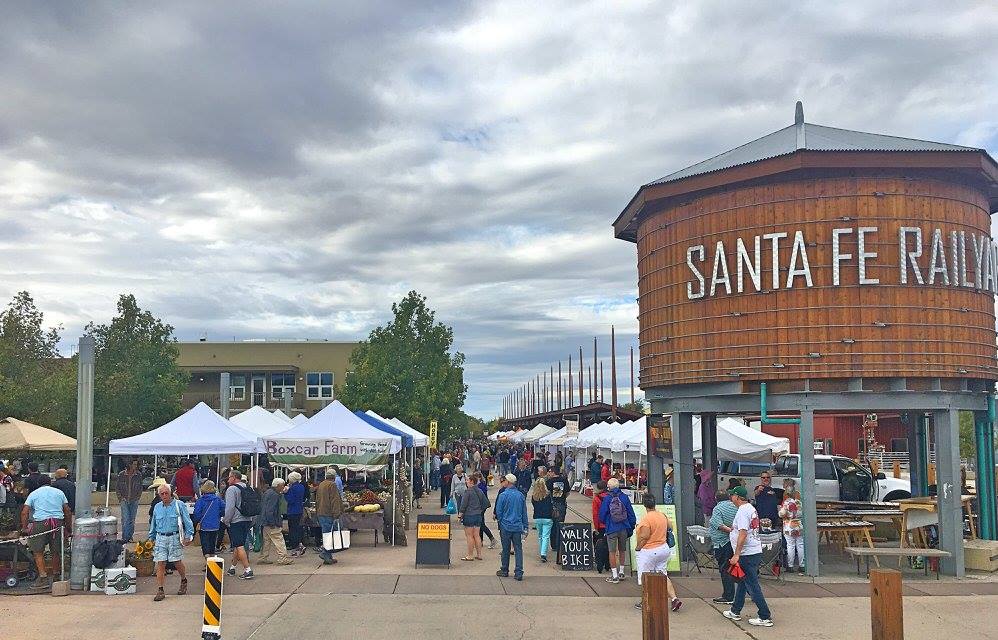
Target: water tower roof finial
799,125
799,113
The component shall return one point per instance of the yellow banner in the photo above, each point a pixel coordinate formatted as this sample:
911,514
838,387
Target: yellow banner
433,531
433,434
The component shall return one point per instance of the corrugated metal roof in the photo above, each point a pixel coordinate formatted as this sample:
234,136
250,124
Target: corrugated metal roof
815,138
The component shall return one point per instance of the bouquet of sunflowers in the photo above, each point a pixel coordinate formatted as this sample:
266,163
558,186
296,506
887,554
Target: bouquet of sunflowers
143,550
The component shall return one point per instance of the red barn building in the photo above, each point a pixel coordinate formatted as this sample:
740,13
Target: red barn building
841,434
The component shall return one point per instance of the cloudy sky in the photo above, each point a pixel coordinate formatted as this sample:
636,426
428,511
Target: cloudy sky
283,170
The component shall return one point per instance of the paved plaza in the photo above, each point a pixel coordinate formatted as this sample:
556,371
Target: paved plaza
377,593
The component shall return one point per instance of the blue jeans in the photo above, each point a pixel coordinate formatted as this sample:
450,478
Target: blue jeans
750,565
435,479
544,533
128,510
514,538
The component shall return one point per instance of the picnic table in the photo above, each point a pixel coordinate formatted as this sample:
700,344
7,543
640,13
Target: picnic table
923,512
842,533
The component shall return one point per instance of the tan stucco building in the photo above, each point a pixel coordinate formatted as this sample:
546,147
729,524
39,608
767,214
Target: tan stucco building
262,372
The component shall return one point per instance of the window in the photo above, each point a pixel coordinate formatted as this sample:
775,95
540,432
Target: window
861,445
790,467
237,387
823,470
899,444
319,385
281,383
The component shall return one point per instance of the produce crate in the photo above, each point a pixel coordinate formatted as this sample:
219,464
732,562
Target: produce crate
120,581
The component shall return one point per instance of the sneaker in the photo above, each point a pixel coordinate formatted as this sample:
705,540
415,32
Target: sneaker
721,601
519,578
183,588
502,574
231,571
246,575
759,622
800,572
160,596
677,604
287,561
613,580
637,605
492,544
329,561
731,615
544,558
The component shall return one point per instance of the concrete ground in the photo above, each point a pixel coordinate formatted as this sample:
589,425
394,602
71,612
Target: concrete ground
377,593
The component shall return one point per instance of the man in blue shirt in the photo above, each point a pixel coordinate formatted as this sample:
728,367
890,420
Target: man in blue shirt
511,514
44,512
168,538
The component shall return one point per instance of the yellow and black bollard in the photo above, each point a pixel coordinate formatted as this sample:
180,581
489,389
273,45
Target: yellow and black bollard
211,628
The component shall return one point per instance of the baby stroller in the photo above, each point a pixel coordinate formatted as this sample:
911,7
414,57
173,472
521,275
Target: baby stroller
12,554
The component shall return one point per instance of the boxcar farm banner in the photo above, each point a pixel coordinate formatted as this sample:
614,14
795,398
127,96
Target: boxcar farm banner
346,452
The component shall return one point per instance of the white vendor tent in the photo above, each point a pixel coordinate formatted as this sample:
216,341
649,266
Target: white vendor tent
736,441
591,435
630,436
260,422
300,418
538,432
555,439
200,430
280,414
518,436
334,436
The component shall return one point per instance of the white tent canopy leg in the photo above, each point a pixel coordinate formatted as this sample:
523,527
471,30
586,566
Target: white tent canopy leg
107,488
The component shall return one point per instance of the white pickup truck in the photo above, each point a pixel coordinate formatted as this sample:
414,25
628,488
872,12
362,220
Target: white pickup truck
835,478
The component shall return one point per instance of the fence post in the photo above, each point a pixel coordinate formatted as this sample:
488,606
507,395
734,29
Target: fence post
654,607
211,627
886,610
897,468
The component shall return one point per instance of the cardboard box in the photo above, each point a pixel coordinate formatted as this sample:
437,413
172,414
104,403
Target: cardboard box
980,555
96,580
119,581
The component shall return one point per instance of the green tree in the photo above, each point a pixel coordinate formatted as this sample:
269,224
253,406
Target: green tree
406,370
638,405
968,447
136,378
36,383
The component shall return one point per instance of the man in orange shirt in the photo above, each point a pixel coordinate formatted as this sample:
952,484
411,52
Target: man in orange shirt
653,550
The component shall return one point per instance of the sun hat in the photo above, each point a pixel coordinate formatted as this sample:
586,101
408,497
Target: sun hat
158,482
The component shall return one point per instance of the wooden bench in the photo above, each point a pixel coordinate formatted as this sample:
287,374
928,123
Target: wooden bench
866,553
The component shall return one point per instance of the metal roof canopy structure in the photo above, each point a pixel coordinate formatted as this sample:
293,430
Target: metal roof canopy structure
588,414
799,147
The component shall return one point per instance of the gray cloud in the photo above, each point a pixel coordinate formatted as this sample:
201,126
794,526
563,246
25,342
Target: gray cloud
262,170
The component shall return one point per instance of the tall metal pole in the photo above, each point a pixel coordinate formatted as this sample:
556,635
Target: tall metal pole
544,393
632,375
594,374
582,397
613,373
551,390
602,390
590,384
79,567
560,405
571,385
224,382
85,424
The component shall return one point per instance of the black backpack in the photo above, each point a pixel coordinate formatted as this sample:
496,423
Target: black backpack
106,553
249,502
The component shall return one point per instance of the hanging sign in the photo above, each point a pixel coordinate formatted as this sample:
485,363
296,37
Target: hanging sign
338,451
575,547
571,425
659,436
433,434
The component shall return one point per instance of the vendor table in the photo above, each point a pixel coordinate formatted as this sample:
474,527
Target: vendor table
356,521
922,512
846,531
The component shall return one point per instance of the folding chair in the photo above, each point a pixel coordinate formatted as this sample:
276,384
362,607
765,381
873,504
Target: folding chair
700,548
772,554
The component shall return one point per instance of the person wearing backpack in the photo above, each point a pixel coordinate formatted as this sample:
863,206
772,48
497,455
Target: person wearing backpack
207,516
242,504
617,514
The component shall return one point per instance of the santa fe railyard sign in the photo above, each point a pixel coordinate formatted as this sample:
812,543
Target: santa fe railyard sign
955,259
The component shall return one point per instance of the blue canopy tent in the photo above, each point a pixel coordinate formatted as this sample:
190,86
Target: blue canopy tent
407,442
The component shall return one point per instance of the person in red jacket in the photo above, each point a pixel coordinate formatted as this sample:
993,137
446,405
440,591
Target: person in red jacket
598,496
183,481
606,473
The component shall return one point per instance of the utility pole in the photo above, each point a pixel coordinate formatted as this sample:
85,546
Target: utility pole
79,567
224,382
613,373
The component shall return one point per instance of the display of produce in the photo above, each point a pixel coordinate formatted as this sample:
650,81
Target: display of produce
363,500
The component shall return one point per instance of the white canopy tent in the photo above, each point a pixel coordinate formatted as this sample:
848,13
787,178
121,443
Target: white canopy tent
280,414
554,439
300,418
736,441
537,432
418,439
200,430
517,436
260,422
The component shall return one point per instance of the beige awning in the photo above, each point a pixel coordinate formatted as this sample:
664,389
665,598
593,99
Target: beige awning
18,435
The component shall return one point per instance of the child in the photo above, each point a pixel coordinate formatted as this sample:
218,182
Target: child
793,533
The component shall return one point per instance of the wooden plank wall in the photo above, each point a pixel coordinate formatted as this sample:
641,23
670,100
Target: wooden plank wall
932,331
